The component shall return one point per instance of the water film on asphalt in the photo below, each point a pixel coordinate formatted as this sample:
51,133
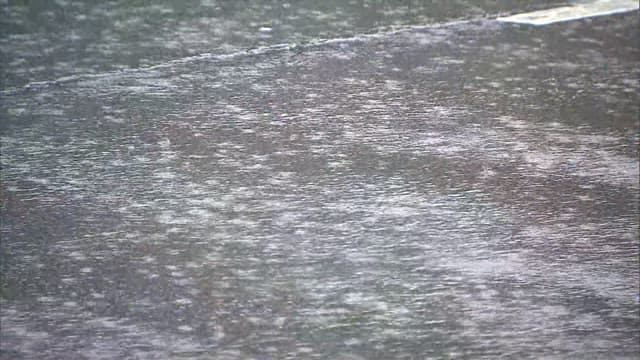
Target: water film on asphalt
461,190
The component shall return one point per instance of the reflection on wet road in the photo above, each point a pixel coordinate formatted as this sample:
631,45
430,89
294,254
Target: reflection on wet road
465,191
47,40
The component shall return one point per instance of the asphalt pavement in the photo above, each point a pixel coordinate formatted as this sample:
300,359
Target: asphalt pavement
466,189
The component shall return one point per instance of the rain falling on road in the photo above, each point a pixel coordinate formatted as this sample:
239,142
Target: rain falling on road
460,189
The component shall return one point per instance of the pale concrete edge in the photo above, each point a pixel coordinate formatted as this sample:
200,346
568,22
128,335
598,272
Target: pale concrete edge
522,18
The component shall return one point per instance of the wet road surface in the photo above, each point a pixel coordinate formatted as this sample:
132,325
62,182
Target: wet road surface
47,40
464,190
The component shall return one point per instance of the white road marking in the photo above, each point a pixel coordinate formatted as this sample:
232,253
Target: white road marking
573,12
